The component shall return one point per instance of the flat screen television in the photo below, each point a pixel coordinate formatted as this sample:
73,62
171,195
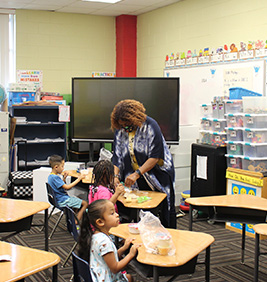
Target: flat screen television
93,100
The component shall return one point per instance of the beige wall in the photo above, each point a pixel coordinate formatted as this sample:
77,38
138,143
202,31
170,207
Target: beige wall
64,45
196,24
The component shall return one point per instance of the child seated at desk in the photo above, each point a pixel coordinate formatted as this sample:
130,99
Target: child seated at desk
103,183
59,186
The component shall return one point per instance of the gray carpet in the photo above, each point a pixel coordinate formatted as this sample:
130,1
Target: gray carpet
225,253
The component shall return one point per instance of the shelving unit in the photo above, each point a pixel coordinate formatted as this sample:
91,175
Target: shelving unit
39,137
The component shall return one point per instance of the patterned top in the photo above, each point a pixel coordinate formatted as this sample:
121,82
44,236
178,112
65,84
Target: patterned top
101,245
148,143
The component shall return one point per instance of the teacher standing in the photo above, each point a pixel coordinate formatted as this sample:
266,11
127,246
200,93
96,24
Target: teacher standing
141,156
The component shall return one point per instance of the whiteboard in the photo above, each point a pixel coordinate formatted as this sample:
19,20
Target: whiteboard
199,84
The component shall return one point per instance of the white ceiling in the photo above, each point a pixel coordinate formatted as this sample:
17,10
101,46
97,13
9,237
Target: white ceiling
124,7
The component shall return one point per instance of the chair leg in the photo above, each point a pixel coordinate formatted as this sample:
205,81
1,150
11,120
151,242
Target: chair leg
48,218
67,258
58,220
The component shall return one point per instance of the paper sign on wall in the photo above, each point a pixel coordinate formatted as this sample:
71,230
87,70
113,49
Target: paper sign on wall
64,113
202,167
32,76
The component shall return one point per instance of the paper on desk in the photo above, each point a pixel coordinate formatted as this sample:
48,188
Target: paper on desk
202,167
5,258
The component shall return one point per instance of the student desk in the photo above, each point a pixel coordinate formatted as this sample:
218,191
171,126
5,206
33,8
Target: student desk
86,180
156,199
242,208
16,216
25,261
188,245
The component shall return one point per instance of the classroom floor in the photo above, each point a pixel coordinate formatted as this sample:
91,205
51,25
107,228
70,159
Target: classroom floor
225,253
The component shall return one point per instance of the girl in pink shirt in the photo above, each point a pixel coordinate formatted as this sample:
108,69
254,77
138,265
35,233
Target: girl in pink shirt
103,183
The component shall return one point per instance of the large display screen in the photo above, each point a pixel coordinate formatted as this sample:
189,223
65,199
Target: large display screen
93,100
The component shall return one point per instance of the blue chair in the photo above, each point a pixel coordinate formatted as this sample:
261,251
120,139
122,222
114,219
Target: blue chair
72,228
81,269
53,201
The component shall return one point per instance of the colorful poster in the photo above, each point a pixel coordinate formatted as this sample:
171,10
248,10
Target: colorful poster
31,76
103,74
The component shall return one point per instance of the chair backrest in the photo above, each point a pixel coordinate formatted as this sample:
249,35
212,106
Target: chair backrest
51,196
71,225
81,269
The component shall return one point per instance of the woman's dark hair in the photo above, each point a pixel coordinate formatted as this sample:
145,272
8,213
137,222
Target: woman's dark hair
94,211
129,111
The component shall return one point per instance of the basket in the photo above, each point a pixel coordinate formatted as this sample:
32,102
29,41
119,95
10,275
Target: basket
238,93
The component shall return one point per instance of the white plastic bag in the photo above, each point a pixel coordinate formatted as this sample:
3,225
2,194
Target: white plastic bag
105,154
156,239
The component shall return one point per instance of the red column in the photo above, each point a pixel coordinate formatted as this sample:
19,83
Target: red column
126,46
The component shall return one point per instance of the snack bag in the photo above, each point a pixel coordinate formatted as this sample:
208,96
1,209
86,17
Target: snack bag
156,239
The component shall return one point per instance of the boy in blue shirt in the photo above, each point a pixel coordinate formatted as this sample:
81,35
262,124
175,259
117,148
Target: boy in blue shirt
59,186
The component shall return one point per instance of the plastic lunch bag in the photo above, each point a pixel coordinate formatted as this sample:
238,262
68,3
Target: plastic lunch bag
155,237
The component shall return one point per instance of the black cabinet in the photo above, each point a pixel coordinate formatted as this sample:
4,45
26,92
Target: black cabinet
38,135
208,169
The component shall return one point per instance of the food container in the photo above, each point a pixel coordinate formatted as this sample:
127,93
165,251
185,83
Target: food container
255,135
234,148
134,228
206,110
163,243
255,150
234,161
255,105
254,164
234,120
233,106
234,133
205,124
255,120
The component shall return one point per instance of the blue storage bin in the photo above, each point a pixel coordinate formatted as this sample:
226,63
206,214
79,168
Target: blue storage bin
238,93
15,97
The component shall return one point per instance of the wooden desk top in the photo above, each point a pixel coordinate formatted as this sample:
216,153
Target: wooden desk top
156,199
86,180
260,228
188,244
236,201
25,261
12,209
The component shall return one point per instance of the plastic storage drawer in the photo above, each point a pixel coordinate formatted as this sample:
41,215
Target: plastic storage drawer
205,137
205,124
255,105
234,148
234,134
218,138
255,135
254,164
206,110
255,150
234,161
234,120
255,120
218,125
233,106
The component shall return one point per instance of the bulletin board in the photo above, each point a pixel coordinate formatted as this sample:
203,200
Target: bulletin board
199,84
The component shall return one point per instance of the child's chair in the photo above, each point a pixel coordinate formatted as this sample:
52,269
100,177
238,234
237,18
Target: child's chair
53,201
81,269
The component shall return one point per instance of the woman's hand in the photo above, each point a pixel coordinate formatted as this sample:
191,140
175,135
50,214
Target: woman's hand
131,179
